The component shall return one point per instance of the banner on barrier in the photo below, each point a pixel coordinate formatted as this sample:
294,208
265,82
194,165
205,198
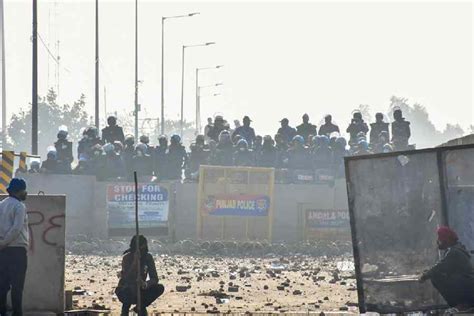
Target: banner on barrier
240,198
237,205
317,219
153,205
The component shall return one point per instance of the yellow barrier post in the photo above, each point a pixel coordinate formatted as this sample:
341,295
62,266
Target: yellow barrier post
6,169
22,165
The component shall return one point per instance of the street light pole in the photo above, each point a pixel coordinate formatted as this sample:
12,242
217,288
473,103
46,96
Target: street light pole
198,99
182,92
198,106
97,122
34,102
163,75
136,69
182,81
163,19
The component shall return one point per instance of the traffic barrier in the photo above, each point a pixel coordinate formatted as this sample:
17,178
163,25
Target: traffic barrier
8,165
6,169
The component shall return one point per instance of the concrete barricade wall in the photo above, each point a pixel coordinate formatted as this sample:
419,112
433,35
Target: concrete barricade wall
87,208
44,285
81,199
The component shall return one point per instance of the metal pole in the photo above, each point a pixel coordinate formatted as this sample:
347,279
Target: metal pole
137,251
105,101
97,122
4,97
136,69
162,75
34,102
182,92
197,101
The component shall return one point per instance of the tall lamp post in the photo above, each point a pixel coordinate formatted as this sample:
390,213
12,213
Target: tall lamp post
136,70
163,19
97,122
182,79
198,103
34,102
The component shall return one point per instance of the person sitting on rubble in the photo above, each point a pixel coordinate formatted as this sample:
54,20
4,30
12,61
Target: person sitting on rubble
126,290
453,275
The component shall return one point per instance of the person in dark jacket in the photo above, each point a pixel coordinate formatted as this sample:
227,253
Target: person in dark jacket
286,131
198,156
453,275
243,156
142,162
376,128
322,154
113,132
298,155
50,165
177,158
128,152
160,160
400,131
328,127
126,290
114,165
64,152
217,128
281,147
224,155
306,128
247,132
356,127
267,156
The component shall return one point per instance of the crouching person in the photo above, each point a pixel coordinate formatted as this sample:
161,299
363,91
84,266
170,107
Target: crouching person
453,275
126,290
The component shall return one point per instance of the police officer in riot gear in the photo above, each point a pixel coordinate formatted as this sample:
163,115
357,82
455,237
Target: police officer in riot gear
357,126
306,128
267,156
113,132
160,158
400,131
128,152
114,165
328,127
322,154
224,150
243,156
64,152
142,162
376,128
177,158
198,156
298,156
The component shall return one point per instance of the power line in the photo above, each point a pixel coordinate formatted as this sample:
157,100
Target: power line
51,54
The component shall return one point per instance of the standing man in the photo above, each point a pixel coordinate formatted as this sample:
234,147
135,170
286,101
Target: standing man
376,128
328,127
13,246
247,132
401,131
286,131
306,128
113,132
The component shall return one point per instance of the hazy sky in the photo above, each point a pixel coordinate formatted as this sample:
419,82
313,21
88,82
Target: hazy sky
281,59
